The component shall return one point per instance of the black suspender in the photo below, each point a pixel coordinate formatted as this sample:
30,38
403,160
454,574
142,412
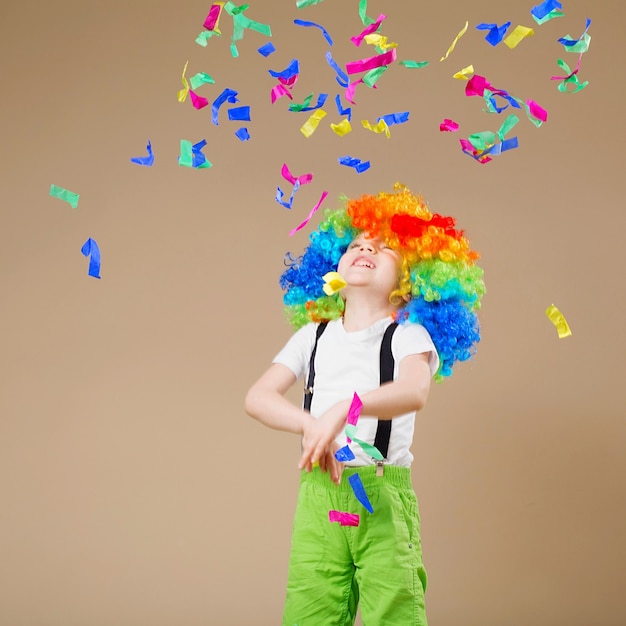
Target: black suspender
383,430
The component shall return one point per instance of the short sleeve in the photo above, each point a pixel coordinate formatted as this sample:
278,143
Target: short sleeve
296,353
412,338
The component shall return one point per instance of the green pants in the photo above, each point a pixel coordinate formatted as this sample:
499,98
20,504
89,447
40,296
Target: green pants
378,563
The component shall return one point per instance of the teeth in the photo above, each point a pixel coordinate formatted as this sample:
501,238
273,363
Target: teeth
363,263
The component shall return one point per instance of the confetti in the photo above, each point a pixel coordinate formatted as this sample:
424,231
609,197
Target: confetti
191,155
517,34
559,321
380,127
279,91
579,45
363,13
464,73
198,101
537,111
342,77
229,95
341,129
300,4
456,39
241,22
324,31
212,19
570,79
372,76
321,100
201,78
546,11
310,215
304,179
345,454
347,111
449,126
370,63
345,519
333,282
90,248
392,119
414,64
372,28
380,41
289,75
308,128
182,94
357,164
239,114
495,34
65,194
359,491
267,49
242,134
368,448
145,160
203,38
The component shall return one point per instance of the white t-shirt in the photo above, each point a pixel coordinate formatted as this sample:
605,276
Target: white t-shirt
348,362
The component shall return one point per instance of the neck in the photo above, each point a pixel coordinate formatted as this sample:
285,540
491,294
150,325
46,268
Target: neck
362,314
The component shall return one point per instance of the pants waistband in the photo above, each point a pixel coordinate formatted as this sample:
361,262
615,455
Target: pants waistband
400,477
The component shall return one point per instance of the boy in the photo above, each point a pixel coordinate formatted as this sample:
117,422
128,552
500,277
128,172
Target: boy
399,263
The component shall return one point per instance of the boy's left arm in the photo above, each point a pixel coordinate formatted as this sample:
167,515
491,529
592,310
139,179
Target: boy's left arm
405,394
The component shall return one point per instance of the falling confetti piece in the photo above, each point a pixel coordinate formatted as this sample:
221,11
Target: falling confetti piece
229,95
456,39
559,321
546,11
198,102
341,129
308,24
357,164
517,34
201,78
345,454
380,127
145,160
464,73
191,155
267,49
408,63
64,194
182,94
333,282
308,128
310,215
495,34
242,134
90,248
345,519
449,126
359,491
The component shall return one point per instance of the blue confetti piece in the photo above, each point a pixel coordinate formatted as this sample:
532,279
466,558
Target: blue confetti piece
357,164
267,49
280,195
496,33
344,454
342,77
395,118
242,134
541,10
359,491
90,248
239,113
229,95
145,160
324,31
290,71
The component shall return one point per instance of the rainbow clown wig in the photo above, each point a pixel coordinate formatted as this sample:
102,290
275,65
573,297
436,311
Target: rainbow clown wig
440,285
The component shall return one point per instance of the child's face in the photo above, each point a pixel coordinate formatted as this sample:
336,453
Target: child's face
371,262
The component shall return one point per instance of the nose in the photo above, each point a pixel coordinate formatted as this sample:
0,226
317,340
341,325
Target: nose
367,247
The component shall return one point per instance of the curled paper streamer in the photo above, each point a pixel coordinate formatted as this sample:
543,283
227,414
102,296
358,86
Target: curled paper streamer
365,19
495,34
242,134
90,248
310,215
559,321
267,49
357,164
300,4
449,126
368,448
65,194
308,128
345,454
372,76
517,34
229,95
145,160
342,77
579,45
303,179
416,65
570,79
464,73
345,519
324,31
372,28
359,491
370,63
321,100
198,101
380,41
456,39
380,127
280,194
182,94
343,128
347,111
391,119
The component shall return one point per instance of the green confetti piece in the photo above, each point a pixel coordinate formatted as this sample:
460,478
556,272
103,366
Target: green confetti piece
483,140
414,64
203,38
300,4
64,194
201,78
363,13
507,125
366,447
371,77
580,46
298,107
185,158
546,18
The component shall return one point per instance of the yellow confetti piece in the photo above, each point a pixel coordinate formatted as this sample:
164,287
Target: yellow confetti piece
308,128
451,48
517,34
464,73
375,39
182,94
381,127
334,282
556,317
343,128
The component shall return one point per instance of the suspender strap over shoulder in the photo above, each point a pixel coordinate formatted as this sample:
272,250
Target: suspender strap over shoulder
387,363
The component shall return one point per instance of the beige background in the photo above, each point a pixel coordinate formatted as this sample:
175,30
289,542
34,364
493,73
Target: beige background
134,490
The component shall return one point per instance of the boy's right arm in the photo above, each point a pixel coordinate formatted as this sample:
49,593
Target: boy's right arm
266,402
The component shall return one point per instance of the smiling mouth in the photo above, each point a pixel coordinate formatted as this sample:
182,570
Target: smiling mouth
361,262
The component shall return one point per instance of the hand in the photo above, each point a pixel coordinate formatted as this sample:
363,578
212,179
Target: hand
329,463
318,436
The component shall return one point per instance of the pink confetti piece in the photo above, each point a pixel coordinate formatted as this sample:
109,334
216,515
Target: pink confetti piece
345,519
310,215
213,16
372,28
198,101
355,410
476,85
449,126
289,177
279,91
537,111
372,62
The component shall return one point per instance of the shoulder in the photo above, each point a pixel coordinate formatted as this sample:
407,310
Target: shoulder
410,338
